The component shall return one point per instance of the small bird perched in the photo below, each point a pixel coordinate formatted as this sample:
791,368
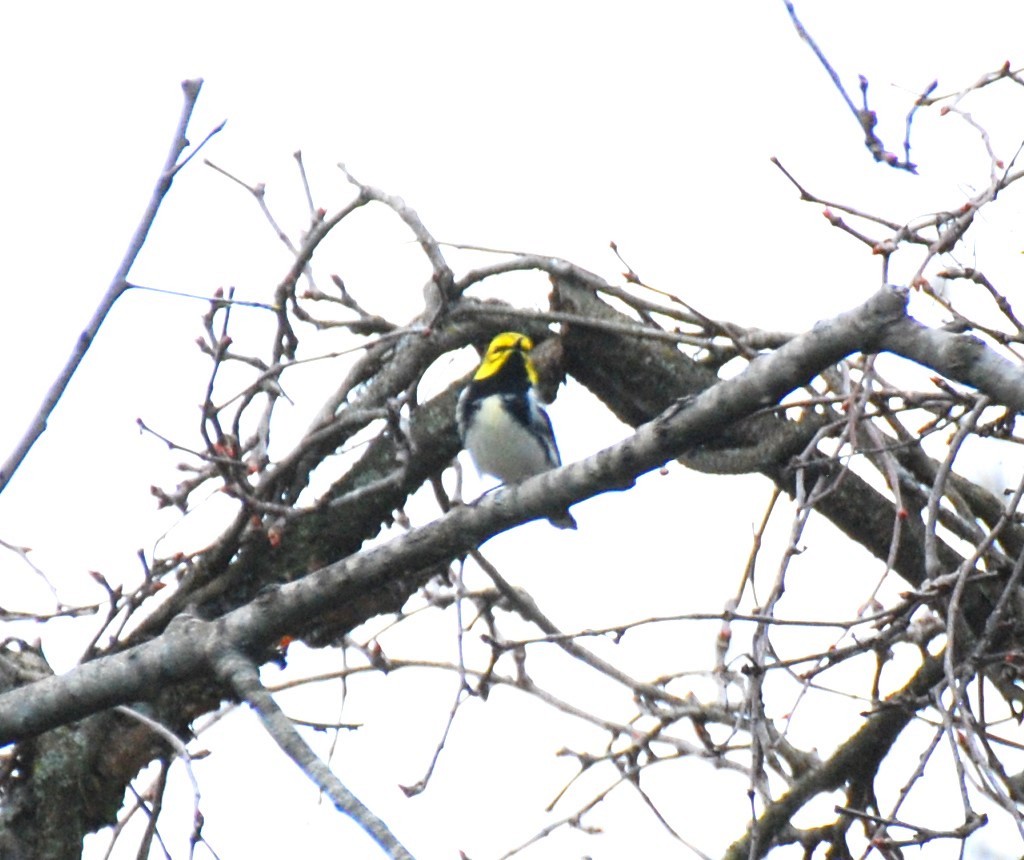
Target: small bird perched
501,421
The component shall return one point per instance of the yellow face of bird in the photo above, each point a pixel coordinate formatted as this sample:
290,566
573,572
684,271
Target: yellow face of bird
502,346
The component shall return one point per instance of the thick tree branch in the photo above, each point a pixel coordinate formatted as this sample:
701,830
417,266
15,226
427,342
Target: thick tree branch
180,654
646,377
710,414
959,357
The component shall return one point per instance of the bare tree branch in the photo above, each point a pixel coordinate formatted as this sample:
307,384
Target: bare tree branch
242,676
177,655
117,287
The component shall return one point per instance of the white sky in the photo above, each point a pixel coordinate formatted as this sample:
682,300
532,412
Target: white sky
550,128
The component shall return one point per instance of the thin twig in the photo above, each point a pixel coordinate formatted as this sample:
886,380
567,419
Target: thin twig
115,290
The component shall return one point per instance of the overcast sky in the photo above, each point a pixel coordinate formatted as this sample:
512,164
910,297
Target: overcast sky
542,127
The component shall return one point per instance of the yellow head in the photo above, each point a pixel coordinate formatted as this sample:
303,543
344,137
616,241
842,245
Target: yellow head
502,347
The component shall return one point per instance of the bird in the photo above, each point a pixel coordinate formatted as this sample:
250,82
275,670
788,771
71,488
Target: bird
502,424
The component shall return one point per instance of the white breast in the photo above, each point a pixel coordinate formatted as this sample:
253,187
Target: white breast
502,447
